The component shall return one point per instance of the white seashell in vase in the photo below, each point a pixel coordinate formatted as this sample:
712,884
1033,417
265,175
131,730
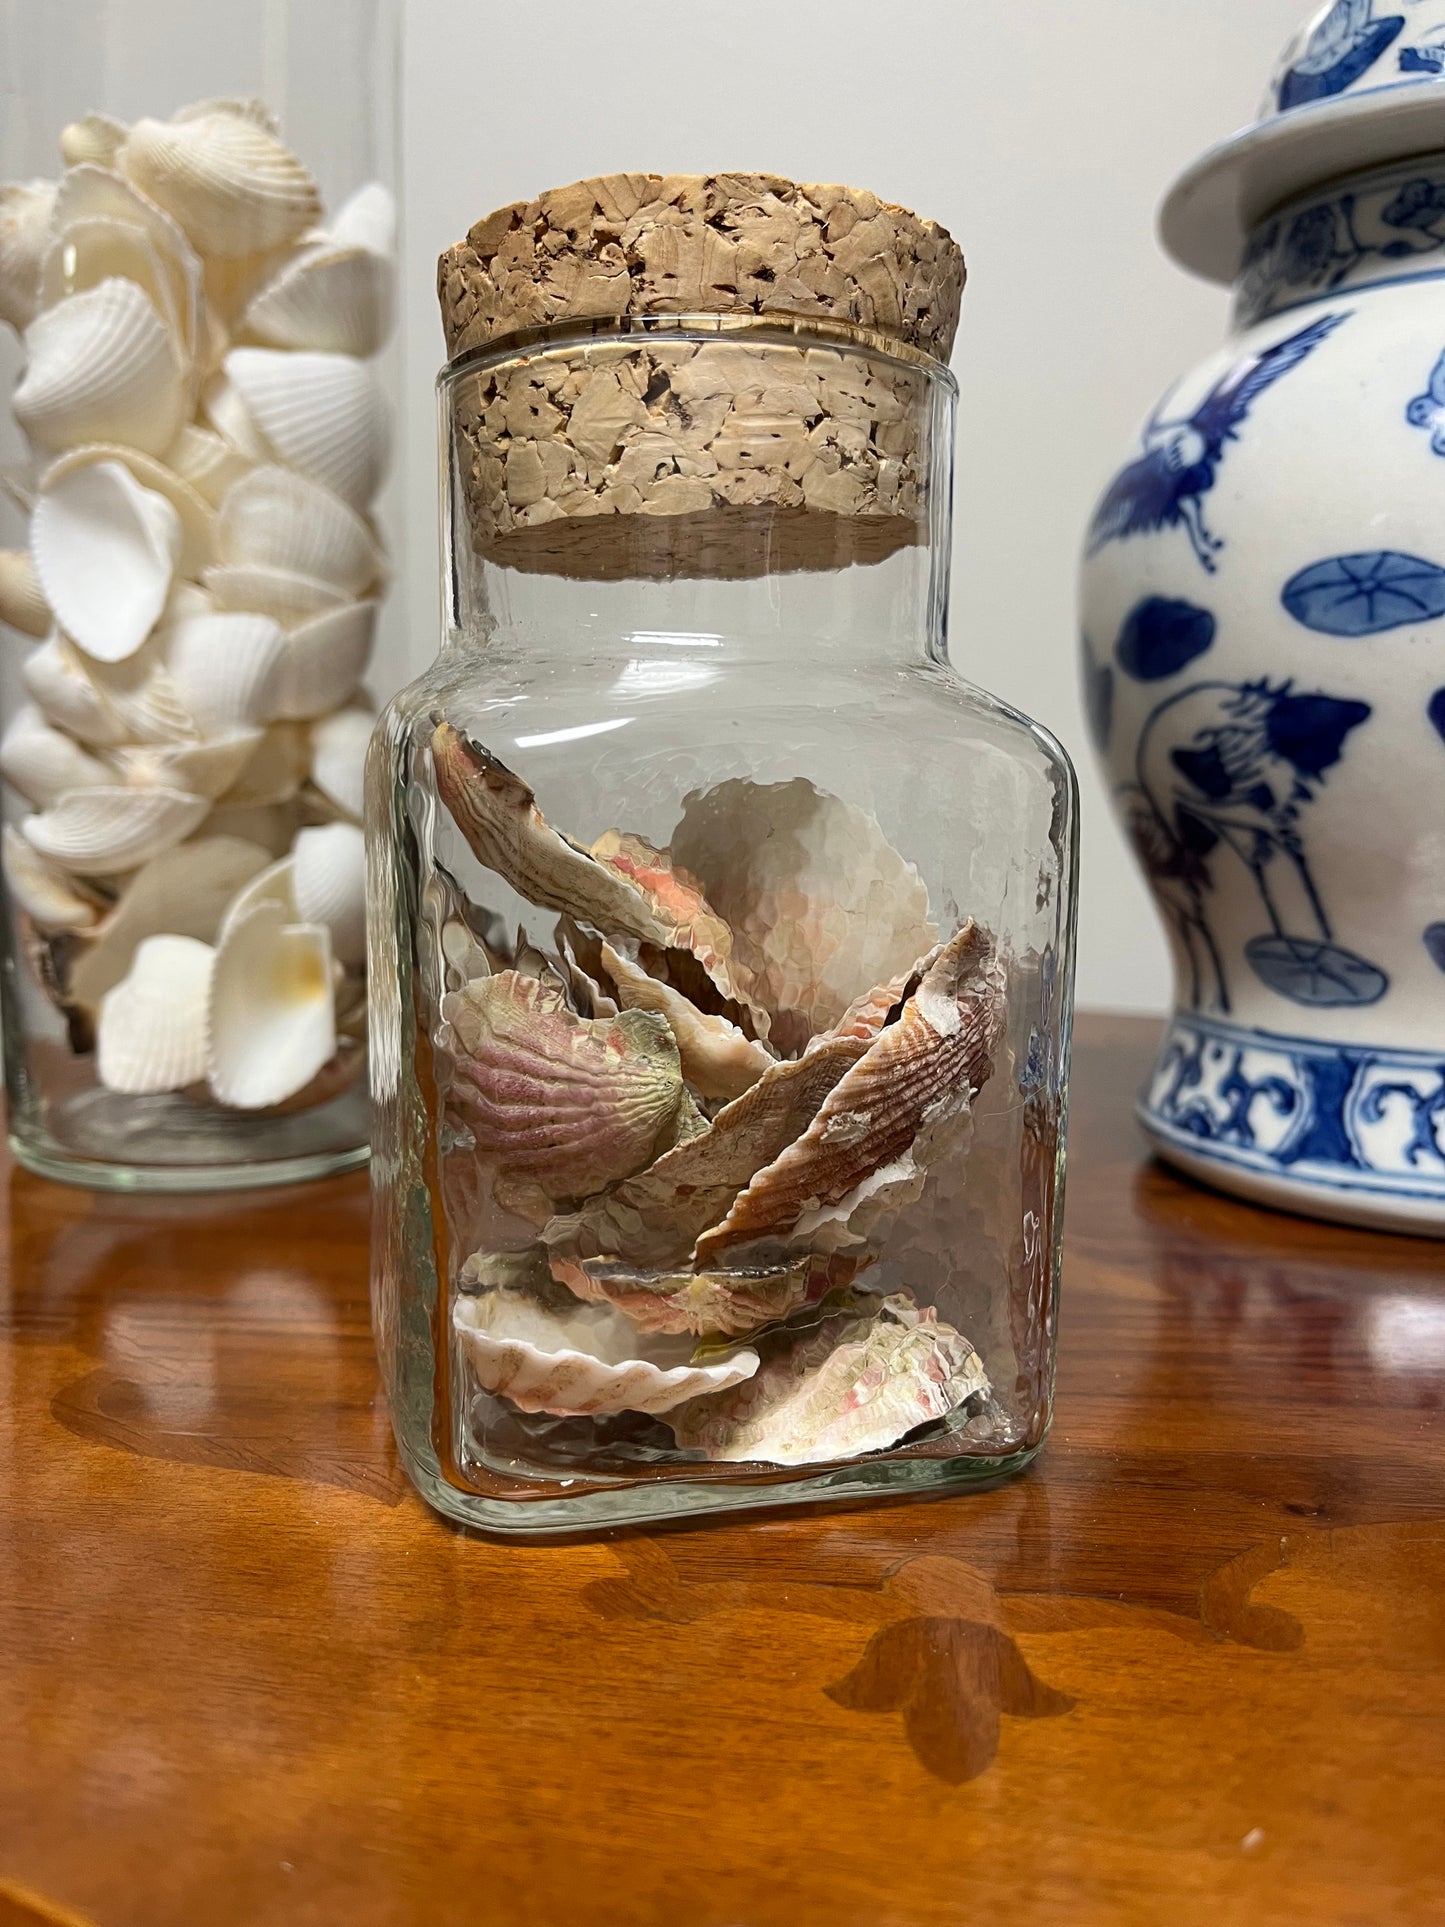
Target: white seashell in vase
94,140
226,668
208,462
105,550
22,600
366,220
92,199
328,883
226,413
52,900
197,517
324,660
338,758
275,770
272,1011
142,693
151,1033
274,519
584,1362
210,768
288,599
43,764
105,831
99,249
225,177
62,688
324,415
25,209
338,300
102,366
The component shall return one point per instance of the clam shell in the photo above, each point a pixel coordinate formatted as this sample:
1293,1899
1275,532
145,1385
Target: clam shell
93,141
104,831
49,897
102,366
151,1032
710,1303
338,758
226,669
337,300
559,1104
584,1362
208,769
718,1059
324,660
275,770
328,882
197,517
367,220
44,764
324,415
142,693
849,1384
272,1015
224,177
206,460
274,887
62,688
273,519
105,550
25,210
288,599
91,195
183,893
229,417
92,251
22,600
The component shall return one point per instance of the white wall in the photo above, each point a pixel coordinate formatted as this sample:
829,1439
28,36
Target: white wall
1042,136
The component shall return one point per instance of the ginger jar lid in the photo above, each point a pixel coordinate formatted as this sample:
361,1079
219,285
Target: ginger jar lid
1361,84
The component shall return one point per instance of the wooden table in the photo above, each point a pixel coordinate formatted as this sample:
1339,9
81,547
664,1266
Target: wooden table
1190,1670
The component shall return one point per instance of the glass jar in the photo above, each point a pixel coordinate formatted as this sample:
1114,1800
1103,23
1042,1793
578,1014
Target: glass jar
722,937
197,260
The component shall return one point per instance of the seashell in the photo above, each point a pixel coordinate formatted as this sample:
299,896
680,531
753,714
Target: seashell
91,252
275,887
271,827
245,106
288,599
142,693
328,881
25,210
208,769
272,1019
184,892
22,600
92,197
324,660
338,758
868,1015
102,366
886,1121
197,518
709,1303
561,1105
821,906
367,220
105,549
229,417
44,764
851,1383
324,415
103,831
224,177
226,669
582,1362
718,1059
151,1032
275,770
92,142
273,519
50,898
210,464
336,300
653,1220
59,683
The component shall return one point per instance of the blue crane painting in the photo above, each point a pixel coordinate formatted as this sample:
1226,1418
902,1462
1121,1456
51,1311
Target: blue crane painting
1341,50
1165,488
1228,769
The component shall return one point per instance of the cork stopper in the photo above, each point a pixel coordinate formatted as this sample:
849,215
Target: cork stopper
803,438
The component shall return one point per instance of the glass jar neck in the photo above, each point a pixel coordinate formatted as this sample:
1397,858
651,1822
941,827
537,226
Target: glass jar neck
1374,229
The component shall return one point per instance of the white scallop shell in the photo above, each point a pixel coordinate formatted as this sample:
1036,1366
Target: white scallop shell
25,208
324,660
209,768
98,249
288,599
93,141
273,519
275,770
226,668
328,883
231,184
91,194
228,415
49,897
104,831
272,1011
275,887
59,682
44,764
325,416
142,693
151,1033
102,366
208,462
367,220
197,517
338,758
105,550
584,1362
337,300
22,600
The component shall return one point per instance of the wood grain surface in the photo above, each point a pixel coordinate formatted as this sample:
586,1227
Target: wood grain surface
1191,1669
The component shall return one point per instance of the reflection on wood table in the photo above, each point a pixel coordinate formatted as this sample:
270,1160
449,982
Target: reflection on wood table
1190,1669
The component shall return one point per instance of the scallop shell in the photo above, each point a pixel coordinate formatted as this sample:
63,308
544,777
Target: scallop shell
367,220
273,519
151,1032
275,770
94,141
851,1383
44,764
197,518
324,415
104,831
143,694
820,904
208,462
337,300
288,599
102,366
227,669
707,1304
25,210
91,252
584,1362
328,881
184,893
272,1012
22,600
62,688
886,1121
338,758
105,550
561,1105
718,1059
324,660
209,768
225,177
228,415
91,195
50,898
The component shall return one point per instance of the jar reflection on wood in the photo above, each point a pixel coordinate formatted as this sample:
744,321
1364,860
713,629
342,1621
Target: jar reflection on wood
722,938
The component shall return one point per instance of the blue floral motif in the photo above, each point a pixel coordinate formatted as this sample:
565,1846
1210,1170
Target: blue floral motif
1160,637
1423,60
1419,204
1345,45
1316,249
1428,410
1436,712
1364,595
